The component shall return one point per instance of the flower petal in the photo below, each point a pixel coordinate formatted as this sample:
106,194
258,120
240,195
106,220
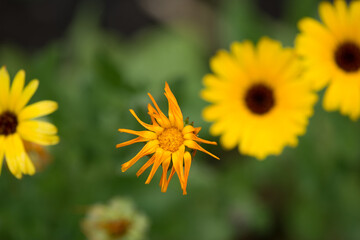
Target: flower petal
38,109
13,155
187,164
145,134
178,163
146,165
26,95
16,89
153,128
4,86
175,115
37,135
135,140
194,145
37,126
149,148
165,165
164,121
2,151
160,156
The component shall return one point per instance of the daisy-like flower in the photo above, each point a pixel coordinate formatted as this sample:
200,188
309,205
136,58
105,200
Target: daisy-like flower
167,140
331,55
17,122
258,101
114,221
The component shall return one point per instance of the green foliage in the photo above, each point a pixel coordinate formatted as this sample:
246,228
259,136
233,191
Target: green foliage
310,192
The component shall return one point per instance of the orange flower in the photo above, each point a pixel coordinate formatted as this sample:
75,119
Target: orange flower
167,139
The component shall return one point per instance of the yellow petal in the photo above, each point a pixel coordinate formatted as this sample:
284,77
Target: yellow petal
330,18
12,155
35,136
2,151
26,95
191,136
38,109
37,126
224,65
24,162
16,89
4,87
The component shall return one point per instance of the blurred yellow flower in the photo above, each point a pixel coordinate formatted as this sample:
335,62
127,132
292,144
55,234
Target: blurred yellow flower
17,122
167,138
114,221
331,55
257,99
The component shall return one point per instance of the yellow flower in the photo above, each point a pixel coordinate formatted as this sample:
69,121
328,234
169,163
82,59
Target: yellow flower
167,139
331,55
257,99
17,124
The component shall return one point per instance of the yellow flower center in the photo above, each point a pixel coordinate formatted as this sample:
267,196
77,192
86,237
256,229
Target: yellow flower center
347,57
8,123
171,139
259,99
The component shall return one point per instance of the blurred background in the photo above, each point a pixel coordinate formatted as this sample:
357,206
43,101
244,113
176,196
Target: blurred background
97,59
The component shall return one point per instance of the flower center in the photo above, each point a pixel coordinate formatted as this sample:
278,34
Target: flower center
259,99
8,123
347,57
116,228
171,139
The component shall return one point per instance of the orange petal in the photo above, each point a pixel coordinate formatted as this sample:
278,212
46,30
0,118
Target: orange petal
165,121
161,155
197,130
188,129
178,163
153,128
170,176
163,180
146,165
175,114
144,134
152,113
191,136
194,145
187,164
135,140
149,148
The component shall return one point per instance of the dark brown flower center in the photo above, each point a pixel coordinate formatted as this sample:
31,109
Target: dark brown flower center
8,123
259,99
347,57
117,228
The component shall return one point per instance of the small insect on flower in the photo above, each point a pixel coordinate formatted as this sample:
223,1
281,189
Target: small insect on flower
330,52
114,221
167,139
17,122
